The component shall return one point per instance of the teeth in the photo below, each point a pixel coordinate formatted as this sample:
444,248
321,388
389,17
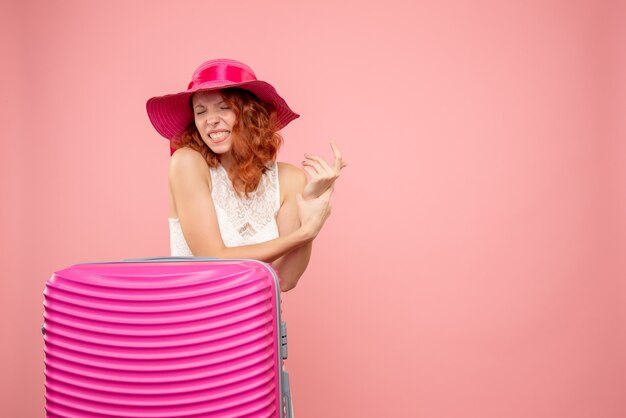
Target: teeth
218,135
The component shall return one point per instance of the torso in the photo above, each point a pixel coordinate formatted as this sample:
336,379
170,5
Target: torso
174,212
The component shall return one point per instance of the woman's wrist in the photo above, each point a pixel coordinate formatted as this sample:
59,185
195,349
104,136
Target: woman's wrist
303,234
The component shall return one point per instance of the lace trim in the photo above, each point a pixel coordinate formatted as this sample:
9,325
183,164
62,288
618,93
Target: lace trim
248,215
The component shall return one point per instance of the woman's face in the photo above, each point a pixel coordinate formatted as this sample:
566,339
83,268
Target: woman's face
214,119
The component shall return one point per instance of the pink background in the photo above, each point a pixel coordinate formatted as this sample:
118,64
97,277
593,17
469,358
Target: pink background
474,263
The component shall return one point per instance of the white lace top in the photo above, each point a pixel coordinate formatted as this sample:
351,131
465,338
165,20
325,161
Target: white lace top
242,221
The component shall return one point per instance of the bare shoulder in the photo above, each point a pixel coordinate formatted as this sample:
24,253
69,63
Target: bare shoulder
187,163
185,158
291,181
291,177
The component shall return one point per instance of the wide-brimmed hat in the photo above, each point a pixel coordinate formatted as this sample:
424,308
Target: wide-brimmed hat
171,114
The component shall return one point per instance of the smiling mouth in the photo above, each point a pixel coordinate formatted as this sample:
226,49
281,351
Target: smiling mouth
219,136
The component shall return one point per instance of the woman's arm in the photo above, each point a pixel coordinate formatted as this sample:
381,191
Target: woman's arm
188,174
293,181
291,266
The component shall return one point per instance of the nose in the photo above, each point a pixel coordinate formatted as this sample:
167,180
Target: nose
212,119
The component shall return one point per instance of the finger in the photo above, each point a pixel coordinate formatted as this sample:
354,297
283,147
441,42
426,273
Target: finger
338,161
312,173
299,197
316,165
326,168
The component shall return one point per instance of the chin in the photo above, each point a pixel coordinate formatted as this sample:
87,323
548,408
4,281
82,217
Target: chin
219,148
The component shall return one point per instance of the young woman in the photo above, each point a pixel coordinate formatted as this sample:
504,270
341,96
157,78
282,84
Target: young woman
229,198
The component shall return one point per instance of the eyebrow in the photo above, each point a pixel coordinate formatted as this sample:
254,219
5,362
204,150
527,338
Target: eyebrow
217,104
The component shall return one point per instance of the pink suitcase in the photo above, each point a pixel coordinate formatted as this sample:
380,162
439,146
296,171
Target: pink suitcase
163,338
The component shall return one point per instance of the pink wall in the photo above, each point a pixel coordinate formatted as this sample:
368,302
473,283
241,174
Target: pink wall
474,262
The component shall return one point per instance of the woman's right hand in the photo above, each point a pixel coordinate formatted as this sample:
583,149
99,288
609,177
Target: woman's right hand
313,213
321,174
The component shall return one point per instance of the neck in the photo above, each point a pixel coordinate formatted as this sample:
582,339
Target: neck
226,160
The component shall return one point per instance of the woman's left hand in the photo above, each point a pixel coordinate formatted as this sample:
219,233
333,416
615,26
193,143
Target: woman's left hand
321,175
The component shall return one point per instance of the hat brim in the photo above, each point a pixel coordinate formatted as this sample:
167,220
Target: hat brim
171,114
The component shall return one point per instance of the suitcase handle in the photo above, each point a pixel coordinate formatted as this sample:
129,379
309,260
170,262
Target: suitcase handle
287,395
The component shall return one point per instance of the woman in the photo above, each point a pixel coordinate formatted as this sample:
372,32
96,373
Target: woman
229,198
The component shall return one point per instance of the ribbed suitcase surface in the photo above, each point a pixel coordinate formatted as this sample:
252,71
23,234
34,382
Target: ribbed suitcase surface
164,339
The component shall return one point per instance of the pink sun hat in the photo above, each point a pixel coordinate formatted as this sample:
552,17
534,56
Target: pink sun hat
170,114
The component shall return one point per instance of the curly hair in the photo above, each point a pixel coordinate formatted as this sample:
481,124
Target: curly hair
256,139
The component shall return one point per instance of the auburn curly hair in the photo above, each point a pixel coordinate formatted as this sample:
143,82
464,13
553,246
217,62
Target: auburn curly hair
256,139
